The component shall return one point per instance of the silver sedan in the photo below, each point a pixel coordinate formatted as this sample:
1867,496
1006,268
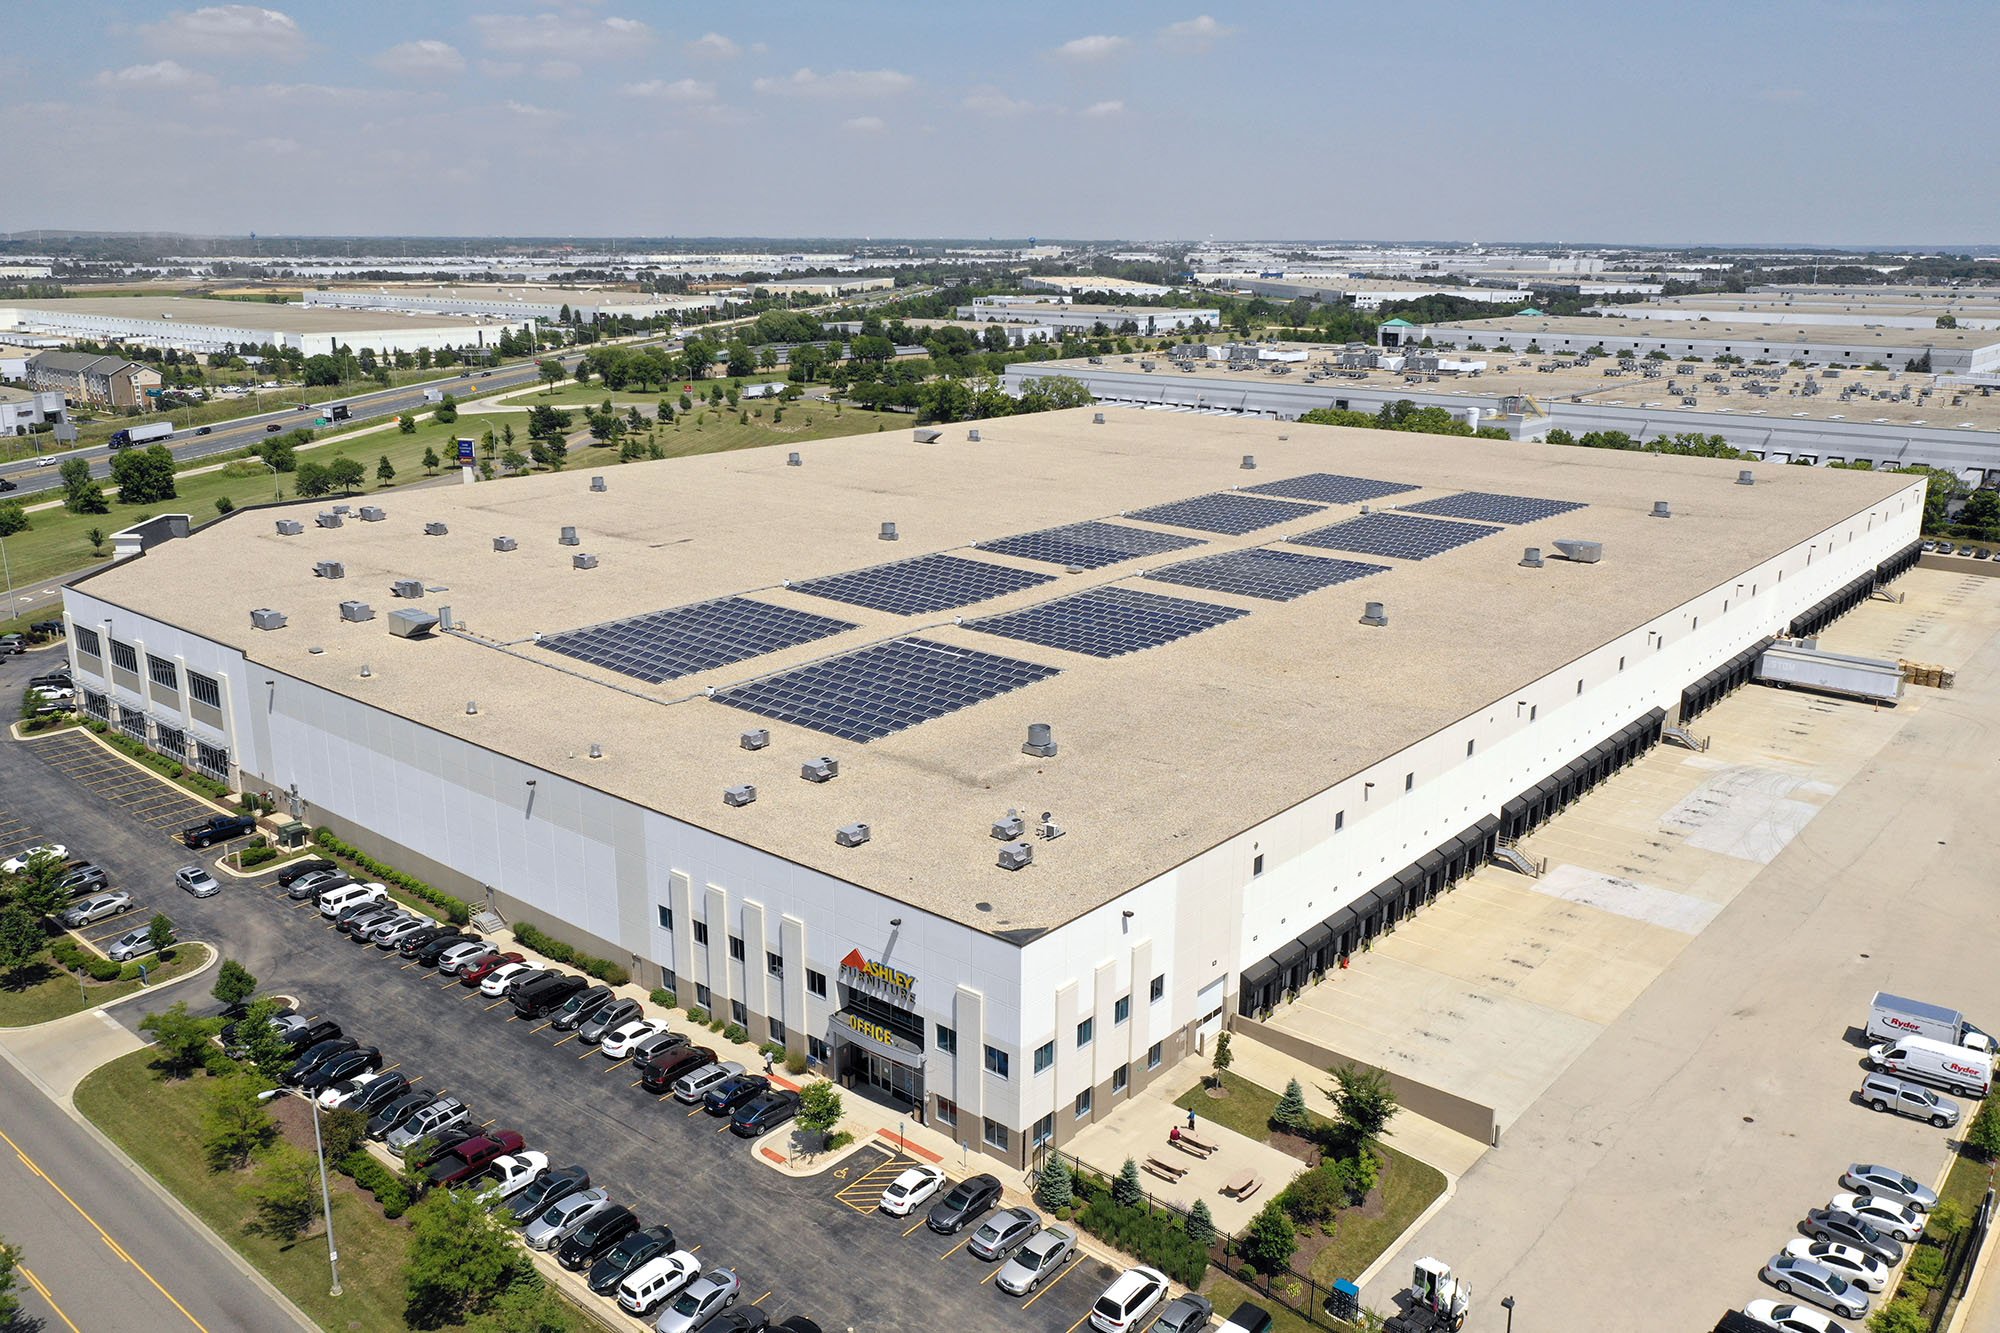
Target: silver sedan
96,908
1886,1182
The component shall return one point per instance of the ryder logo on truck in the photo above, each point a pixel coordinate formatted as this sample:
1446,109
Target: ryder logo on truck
1965,1071
1901,1024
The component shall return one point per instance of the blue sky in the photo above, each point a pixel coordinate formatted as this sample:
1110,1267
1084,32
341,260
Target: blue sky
1835,123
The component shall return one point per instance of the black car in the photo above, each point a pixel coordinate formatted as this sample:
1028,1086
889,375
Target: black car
764,1114
596,1236
428,952
396,1112
798,1323
546,995
361,916
658,1074
968,1199
741,1319
52,628
345,1065
83,877
607,1019
733,1092
430,1149
318,1054
580,1006
300,869
235,1014
417,939
381,1090
304,1038
636,1248
553,1184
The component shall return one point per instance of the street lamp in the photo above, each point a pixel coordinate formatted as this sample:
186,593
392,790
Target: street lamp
1507,1304
325,1195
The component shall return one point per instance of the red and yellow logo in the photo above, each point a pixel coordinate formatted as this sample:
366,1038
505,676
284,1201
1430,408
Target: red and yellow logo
881,972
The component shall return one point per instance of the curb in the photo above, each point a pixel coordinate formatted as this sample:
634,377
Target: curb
214,960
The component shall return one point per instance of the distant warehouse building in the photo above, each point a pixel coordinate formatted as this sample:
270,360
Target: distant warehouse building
1150,321
1003,820
191,324
1946,351
543,304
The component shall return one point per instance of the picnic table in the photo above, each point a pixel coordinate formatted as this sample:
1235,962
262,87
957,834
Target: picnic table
1165,1170
1242,1185
1199,1145
1191,1148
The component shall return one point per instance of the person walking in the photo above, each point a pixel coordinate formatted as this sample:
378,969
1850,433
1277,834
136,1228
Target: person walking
767,1063
1190,1128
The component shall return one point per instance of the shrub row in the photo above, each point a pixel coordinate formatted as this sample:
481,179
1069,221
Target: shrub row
165,765
1152,1238
256,856
76,958
378,1180
453,909
555,950
665,998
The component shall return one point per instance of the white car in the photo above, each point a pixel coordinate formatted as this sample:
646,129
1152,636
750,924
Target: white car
1791,1318
197,880
618,1043
1858,1266
909,1190
15,864
1886,1182
656,1280
510,1174
1821,1286
1128,1300
336,1095
1891,1219
496,980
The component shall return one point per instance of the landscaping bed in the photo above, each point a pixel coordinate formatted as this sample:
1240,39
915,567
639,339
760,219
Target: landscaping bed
43,990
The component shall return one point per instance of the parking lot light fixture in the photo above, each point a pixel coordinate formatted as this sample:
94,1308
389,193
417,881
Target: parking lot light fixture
325,1194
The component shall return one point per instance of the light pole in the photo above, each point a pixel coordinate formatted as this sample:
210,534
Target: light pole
325,1195
1507,1304
276,494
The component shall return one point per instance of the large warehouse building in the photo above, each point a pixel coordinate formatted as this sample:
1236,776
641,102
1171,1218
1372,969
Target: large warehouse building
1008,814
1962,351
545,304
191,324
1149,320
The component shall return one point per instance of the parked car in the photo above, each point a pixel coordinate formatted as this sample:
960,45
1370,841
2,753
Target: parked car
498,981
390,925
699,1300
457,959
18,862
555,1222
432,1148
1790,1318
391,937
298,870
1831,1224
197,880
317,1054
544,996
301,1035
132,945
1886,1092
347,1064
1885,1182
392,1115
96,908
1247,1319
657,1279
1192,1313
608,1019
907,1192
764,1113
220,828
740,1319
797,1323
1864,1270
1891,1219
474,1156
1039,1258
511,1174
968,1199
359,919
476,973
83,877
409,945
443,1113
635,1250
618,1044
281,1017
339,897
545,1190
658,1074
316,884
604,1229
446,939
335,1096
12,644
733,1092
1128,1300
1004,1232
692,1087
580,1006
379,1091
1802,1277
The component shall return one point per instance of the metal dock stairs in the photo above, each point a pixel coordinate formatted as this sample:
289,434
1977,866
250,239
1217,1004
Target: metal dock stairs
1508,853
1683,737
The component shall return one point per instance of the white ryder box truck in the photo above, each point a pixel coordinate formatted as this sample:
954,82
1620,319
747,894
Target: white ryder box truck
1894,1016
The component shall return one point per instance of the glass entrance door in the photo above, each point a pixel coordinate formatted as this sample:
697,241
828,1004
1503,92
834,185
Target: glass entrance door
888,1077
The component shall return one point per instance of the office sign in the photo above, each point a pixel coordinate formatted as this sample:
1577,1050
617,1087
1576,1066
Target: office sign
465,452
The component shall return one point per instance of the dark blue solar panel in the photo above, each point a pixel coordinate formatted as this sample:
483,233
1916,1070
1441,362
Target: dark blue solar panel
868,694
664,644
1332,488
1233,512
928,583
1396,535
1089,545
1488,507
1276,576
1107,622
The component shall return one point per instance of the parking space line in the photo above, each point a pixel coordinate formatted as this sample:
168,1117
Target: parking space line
626,1061
991,1273
761,1299
1075,1263
919,1222
570,1037
1078,1324
954,1249
550,1023
495,1005
697,1111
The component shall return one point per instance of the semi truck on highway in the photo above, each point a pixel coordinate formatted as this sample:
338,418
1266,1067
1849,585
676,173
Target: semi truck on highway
128,436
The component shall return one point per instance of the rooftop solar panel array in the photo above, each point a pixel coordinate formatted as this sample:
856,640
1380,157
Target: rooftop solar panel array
1089,545
1396,535
679,642
1109,622
928,583
1232,512
1488,507
1276,576
868,694
1331,488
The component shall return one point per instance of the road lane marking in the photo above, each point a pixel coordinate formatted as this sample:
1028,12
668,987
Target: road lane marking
36,1283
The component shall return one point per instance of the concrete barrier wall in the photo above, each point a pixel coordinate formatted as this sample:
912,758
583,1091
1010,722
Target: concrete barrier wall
1448,1109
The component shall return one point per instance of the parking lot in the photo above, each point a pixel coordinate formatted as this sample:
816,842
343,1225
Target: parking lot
813,1246
135,794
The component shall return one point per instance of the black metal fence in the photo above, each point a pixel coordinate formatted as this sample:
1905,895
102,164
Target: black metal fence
1961,1259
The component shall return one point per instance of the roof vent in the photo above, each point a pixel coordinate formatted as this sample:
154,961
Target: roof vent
1662,510
290,527
1017,856
445,620
928,435
1097,418
888,533
366,671
435,529
1584,553
505,544
568,538
413,623
1009,828
596,750
330,569
851,835
820,770
1249,462
1041,740
471,707
793,460
407,588
755,739
597,484
1374,613
264,618
973,436
373,513
742,794
356,611
583,560
1746,478
1364,509
326,518
1532,557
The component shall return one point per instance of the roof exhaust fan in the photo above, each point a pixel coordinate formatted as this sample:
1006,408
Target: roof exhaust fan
1532,557
888,533
851,835
1661,509
1374,613
1041,741
1017,856
1746,478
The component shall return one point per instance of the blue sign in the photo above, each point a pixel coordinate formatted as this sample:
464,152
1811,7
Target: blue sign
464,452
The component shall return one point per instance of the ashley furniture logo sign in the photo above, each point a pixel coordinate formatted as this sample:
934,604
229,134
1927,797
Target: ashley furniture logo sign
881,972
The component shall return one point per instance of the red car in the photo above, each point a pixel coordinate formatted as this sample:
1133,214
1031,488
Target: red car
659,1075
480,973
473,1156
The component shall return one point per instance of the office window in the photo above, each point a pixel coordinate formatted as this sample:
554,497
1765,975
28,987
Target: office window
736,947
1045,1130
1083,1104
947,1039
777,1032
701,932
1045,1056
816,983
1256,865
668,981
996,1063
995,1135
1085,1031
163,672
666,916
947,1112
1121,1079
701,996
1121,1010
1154,1056
124,655
774,964
203,690
1159,988
738,1012
87,643
816,1050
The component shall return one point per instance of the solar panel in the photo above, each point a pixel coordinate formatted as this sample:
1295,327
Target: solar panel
928,583
1396,535
1232,512
1109,622
868,694
1090,545
1276,576
1488,507
679,642
1332,488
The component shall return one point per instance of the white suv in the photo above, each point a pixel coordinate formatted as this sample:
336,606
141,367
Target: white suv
1128,1300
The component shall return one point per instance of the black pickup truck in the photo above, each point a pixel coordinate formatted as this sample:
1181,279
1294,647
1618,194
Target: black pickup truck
219,829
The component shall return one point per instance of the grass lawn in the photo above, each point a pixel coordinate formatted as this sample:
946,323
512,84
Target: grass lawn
571,394
1247,1109
42,991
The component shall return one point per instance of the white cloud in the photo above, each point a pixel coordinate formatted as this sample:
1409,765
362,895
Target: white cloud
864,125
428,58
162,74
680,90
558,69
1196,34
552,35
229,30
1101,110
530,112
840,83
990,101
1097,47
714,46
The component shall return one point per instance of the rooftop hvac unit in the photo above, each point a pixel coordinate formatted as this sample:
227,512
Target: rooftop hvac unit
343,510
328,519
793,460
583,560
1041,740
1746,478
1017,856
1009,828
356,611
1584,553
407,587
411,623
756,738
928,435
568,538
851,835
505,544
972,436
820,770
290,527
739,795
1249,462
435,529
264,618
373,513
1097,419
330,569
597,484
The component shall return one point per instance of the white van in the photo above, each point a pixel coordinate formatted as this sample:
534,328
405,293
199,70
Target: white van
1954,1068
344,897
657,1279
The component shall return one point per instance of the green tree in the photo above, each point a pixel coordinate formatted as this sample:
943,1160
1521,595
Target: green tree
1269,1242
39,886
10,1259
665,412
284,1197
1983,1137
1222,1058
1126,1189
341,1131
144,476
160,931
313,478
551,372
1290,1112
81,493
460,1260
234,1124
446,411
259,1042
224,505
1947,321
1982,509
319,370
1201,1224
820,1107
406,424
1053,1189
1314,1197
1363,1103
544,422
233,983
385,471
431,459
514,460
551,454
21,938
14,518
180,1038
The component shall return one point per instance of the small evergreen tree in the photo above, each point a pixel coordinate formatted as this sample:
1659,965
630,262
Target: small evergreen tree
1290,1112
1052,1185
1201,1224
1127,1190
233,983
1222,1058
